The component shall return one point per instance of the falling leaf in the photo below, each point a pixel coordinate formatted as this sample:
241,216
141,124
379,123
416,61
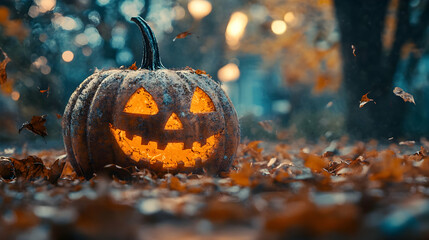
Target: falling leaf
404,95
182,35
329,104
408,143
354,50
364,100
59,116
267,125
36,125
3,74
45,91
133,67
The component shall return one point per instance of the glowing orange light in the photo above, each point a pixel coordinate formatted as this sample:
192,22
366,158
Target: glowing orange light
235,29
201,102
141,102
229,73
199,8
170,156
173,123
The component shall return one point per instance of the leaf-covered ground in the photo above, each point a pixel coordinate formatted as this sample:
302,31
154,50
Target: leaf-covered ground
273,191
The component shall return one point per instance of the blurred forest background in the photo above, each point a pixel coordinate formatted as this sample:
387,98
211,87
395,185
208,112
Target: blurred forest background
292,68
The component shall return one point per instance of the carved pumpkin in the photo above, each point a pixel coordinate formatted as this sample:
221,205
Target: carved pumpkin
161,119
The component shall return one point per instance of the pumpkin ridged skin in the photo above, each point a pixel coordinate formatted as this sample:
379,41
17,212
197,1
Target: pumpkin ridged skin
101,98
94,121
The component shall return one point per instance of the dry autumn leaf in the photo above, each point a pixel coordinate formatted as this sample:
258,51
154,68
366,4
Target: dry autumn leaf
56,169
404,95
30,168
44,91
182,35
133,67
242,176
3,74
364,100
36,125
354,50
199,72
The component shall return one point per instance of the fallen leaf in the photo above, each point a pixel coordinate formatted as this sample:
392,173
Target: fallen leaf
30,168
364,100
3,74
242,176
7,170
36,125
315,163
56,169
176,184
199,72
404,95
182,35
133,67
115,171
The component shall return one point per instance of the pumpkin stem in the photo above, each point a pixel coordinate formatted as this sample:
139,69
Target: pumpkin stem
151,59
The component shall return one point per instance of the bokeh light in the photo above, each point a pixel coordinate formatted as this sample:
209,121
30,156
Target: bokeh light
278,27
68,56
15,95
45,5
179,12
228,73
289,17
199,8
235,29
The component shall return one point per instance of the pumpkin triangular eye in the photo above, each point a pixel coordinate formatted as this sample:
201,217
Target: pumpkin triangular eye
141,102
201,102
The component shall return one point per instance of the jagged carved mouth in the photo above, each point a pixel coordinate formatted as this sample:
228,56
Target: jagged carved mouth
173,153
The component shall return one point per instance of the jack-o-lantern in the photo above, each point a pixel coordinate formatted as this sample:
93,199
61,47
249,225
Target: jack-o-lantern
161,119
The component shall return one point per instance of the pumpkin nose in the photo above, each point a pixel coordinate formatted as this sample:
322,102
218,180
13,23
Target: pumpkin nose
173,123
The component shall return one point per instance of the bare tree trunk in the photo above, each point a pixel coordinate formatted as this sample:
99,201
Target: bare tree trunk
361,24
